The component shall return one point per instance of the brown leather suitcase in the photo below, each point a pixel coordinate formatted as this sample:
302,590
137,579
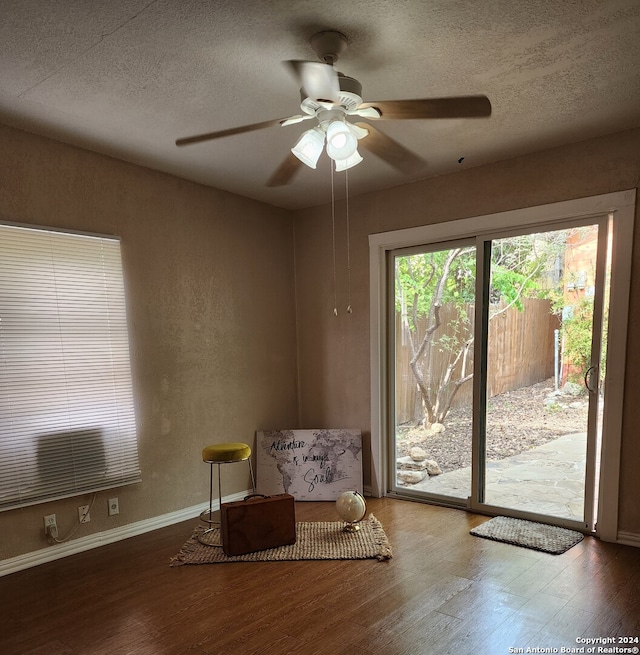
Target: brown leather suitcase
256,523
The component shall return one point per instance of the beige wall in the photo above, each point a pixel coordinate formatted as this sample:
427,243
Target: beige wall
210,298
334,371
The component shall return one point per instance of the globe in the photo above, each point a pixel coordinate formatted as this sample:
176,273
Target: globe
351,508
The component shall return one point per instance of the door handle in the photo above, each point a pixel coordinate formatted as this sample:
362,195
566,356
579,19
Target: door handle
587,378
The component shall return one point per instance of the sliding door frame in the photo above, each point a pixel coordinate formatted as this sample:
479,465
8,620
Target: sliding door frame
620,207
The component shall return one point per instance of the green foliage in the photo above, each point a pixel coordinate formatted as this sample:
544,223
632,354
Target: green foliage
577,330
519,265
508,286
418,278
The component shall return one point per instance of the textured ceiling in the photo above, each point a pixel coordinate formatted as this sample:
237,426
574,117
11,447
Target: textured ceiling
128,77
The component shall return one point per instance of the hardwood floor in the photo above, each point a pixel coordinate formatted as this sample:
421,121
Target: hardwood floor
444,591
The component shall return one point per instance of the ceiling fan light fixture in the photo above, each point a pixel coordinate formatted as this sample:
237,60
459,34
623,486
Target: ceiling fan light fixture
349,162
309,146
341,143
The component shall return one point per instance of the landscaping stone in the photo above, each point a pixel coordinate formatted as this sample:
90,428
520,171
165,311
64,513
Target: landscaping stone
418,454
432,467
411,477
408,464
429,466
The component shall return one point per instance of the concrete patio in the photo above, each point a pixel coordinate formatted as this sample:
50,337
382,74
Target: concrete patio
546,480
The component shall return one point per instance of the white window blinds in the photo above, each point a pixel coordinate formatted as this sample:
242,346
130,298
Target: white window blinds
67,423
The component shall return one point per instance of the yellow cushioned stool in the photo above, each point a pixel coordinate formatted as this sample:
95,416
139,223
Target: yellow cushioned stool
221,453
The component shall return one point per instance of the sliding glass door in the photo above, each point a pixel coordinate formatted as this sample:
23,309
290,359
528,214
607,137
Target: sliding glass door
495,368
539,424
433,324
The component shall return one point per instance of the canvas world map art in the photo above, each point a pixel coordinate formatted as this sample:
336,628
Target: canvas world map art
309,464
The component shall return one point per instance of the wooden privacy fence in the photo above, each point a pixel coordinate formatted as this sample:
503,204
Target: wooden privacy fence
521,353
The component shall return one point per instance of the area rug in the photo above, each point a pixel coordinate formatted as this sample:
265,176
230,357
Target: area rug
314,540
537,536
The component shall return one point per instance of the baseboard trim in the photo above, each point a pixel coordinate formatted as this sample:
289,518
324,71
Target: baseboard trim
629,539
58,551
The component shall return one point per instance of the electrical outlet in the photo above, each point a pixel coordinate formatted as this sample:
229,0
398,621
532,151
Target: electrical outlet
50,527
83,514
114,507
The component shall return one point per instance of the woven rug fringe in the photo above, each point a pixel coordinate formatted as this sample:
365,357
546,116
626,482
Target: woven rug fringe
188,548
381,538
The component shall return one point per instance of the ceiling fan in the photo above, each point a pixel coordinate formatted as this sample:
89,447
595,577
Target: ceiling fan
331,97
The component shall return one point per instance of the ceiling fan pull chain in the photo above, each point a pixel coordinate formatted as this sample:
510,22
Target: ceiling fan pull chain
346,185
333,229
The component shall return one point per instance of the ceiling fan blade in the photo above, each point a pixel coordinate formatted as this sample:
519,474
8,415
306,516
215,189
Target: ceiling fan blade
389,150
298,118
458,107
188,140
285,172
318,81
365,112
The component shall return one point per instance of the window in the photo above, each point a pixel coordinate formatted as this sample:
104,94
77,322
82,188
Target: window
67,423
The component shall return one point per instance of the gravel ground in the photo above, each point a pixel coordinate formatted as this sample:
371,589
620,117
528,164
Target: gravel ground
517,421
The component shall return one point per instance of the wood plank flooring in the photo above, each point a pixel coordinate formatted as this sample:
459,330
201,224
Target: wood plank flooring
444,591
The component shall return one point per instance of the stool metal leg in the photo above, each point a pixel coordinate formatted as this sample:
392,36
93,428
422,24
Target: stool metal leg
205,515
206,538
253,480
211,491
216,525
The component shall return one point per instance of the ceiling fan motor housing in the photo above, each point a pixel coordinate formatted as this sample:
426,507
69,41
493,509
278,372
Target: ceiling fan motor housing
349,85
329,45
350,96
